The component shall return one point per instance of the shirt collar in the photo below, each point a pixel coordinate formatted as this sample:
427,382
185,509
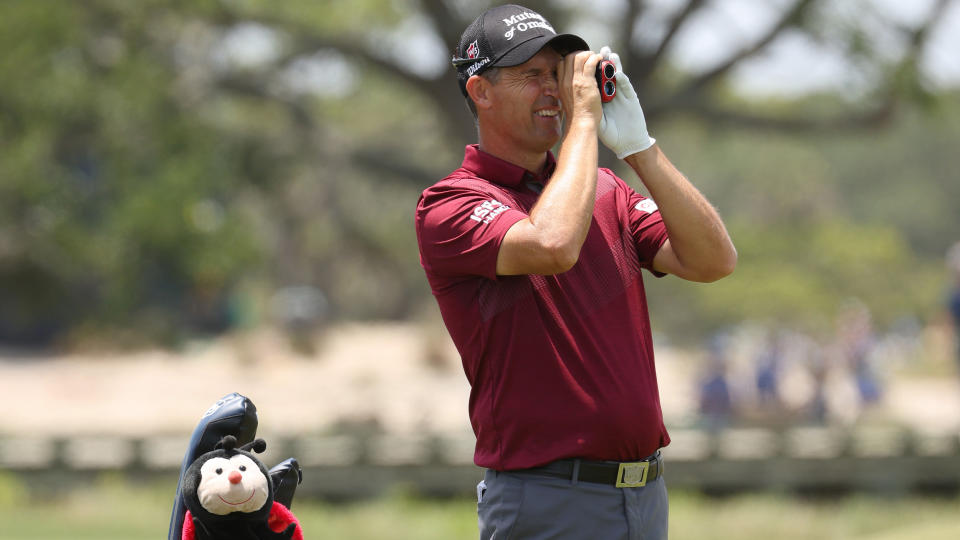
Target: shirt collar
496,170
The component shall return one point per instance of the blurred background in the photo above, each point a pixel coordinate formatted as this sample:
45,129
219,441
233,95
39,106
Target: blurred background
212,196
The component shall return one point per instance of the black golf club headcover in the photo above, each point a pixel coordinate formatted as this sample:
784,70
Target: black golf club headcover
232,414
286,476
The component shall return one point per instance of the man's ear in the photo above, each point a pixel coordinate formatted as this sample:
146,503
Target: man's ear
479,90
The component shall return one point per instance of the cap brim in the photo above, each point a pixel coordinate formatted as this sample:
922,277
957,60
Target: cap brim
562,43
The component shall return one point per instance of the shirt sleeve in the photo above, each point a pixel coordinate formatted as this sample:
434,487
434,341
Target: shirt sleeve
646,226
460,228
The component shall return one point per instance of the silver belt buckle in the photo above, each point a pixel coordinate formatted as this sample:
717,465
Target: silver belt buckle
632,474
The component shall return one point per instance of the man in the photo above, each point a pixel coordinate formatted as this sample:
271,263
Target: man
953,299
535,262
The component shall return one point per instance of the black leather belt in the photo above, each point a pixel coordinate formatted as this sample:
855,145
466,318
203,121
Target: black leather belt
613,473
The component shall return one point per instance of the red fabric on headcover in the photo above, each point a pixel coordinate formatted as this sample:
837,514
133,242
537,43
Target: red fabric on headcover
187,527
280,517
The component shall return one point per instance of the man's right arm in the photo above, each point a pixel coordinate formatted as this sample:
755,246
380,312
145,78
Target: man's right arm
549,240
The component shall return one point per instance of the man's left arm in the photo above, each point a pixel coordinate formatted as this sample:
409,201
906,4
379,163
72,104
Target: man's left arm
698,246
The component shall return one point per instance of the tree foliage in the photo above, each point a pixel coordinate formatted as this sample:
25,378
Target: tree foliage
167,163
821,220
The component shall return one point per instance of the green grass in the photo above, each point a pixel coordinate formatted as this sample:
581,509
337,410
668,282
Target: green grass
114,508
782,517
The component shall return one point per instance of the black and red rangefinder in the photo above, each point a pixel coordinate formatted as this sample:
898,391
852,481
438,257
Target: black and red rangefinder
607,80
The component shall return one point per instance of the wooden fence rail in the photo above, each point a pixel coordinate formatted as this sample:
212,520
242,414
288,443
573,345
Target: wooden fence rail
358,465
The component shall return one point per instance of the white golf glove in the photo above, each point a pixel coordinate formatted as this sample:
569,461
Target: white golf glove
623,128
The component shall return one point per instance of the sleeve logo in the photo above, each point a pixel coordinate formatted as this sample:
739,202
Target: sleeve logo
486,212
646,205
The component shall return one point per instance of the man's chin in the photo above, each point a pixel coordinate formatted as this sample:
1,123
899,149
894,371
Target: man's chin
542,141
549,140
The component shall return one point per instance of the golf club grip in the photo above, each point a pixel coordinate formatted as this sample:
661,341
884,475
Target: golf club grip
233,414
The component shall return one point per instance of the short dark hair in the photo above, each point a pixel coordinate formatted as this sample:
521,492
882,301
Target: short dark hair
490,74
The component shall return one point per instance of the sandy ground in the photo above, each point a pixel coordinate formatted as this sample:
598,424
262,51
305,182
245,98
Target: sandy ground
358,374
397,375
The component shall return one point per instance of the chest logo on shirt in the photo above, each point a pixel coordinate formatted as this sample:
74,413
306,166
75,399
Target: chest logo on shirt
646,205
486,212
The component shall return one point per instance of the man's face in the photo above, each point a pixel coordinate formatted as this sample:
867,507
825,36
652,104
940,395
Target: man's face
526,108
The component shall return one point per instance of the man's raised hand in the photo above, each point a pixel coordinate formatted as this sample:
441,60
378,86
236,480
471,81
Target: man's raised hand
578,87
623,127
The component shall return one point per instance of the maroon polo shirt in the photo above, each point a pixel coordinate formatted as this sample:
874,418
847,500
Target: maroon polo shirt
559,366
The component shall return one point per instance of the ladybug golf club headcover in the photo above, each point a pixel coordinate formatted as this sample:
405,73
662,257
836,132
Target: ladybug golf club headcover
234,415
229,495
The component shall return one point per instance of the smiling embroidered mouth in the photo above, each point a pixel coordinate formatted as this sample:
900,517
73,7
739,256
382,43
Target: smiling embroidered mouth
252,493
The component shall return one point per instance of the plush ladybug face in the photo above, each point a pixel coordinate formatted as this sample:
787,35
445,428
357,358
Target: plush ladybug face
232,484
229,485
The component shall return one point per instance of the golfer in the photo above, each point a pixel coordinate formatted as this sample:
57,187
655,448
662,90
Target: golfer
535,262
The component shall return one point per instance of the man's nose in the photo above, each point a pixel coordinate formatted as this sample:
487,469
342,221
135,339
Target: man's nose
551,86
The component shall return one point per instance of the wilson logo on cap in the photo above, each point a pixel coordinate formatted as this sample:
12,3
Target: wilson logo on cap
473,50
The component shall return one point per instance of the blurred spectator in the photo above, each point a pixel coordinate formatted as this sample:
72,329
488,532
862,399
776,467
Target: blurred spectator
716,404
953,263
857,341
818,408
767,371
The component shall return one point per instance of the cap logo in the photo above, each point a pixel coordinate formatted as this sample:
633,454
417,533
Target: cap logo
473,50
517,24
476,66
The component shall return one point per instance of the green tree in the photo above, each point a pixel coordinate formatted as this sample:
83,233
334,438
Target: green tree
161,157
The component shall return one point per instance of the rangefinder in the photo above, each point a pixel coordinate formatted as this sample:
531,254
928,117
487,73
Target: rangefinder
607,80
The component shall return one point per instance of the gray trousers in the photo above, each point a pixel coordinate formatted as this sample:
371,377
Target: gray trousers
524,506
